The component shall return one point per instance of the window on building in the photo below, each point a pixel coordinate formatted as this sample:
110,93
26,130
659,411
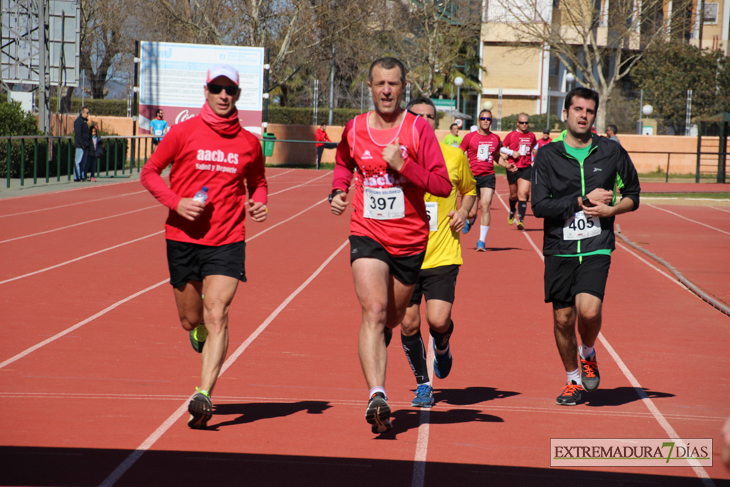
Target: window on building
710,14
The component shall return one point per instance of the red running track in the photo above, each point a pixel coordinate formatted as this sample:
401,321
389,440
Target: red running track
99,405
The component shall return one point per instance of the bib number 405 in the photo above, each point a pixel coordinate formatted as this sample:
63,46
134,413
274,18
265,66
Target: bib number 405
580,226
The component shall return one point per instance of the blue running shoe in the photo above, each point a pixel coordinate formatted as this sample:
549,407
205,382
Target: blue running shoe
481,247
424,397
442,363
467,226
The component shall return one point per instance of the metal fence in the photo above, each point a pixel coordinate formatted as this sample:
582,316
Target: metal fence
51,157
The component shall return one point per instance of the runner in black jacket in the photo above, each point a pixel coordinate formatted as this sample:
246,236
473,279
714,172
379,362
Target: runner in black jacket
574,183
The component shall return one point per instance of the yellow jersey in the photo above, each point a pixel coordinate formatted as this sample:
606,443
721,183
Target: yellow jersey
444,247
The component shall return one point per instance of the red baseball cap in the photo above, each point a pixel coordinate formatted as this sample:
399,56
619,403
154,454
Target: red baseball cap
222,70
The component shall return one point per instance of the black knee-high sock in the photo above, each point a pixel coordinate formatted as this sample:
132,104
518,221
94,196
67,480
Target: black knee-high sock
522,209
416,353
442,339
512,204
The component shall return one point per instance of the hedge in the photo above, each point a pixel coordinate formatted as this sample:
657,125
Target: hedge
112,108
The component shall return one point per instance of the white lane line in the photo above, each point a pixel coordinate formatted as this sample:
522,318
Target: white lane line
118,303
719,209
78,325
162,429
689,219
699,470
345,402
280,174
77,224
424,427
81,258
529,239
72,204
105,185
300,185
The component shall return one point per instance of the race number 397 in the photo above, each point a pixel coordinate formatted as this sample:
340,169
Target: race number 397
383,203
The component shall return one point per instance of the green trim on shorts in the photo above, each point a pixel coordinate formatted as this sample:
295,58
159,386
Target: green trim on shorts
586,254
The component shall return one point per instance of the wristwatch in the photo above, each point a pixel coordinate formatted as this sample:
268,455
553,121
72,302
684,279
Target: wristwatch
586,201
333,194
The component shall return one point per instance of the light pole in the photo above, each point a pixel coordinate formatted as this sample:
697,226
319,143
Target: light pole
458,82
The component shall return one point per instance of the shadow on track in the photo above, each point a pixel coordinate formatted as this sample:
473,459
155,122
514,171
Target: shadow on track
470,395
250,412
618,396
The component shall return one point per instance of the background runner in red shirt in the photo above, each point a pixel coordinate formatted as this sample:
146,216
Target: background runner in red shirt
519,145
482,150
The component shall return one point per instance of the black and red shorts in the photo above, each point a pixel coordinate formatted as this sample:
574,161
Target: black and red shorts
404,268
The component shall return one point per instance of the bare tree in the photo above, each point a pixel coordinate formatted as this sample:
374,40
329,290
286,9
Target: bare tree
104,43
599,40
430,36
299,33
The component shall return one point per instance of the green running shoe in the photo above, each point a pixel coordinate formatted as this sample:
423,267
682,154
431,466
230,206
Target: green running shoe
198,337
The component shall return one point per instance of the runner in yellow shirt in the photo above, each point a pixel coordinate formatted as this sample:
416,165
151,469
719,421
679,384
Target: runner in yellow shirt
437,280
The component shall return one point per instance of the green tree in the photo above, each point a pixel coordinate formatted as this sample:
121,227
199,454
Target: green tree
14,121
669,69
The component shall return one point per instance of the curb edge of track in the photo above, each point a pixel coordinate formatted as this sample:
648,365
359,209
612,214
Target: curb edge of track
687,283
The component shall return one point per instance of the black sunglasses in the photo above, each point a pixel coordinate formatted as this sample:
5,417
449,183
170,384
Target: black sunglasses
216,89
523,123
485,118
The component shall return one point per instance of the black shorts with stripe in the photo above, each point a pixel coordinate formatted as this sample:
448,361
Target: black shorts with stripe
404,268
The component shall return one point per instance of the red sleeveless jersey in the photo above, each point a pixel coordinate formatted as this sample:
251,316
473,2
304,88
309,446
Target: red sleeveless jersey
362,150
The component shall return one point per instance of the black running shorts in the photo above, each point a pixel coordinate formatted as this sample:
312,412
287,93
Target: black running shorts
486,182
405,269
524,173
565,277
436,283
192,262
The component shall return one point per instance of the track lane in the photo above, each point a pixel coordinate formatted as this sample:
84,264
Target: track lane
466,443
670,237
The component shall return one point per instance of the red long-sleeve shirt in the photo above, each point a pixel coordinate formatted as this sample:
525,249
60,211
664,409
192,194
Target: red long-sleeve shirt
200,156
360,151
321,136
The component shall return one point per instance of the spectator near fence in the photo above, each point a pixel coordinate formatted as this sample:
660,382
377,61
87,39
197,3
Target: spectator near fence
82,139
320,135
94,154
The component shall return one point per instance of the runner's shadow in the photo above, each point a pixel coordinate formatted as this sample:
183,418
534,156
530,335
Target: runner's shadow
501,249
618,396
470,395
250,412
407,419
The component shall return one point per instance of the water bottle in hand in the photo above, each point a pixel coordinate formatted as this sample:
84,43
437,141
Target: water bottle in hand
202,195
